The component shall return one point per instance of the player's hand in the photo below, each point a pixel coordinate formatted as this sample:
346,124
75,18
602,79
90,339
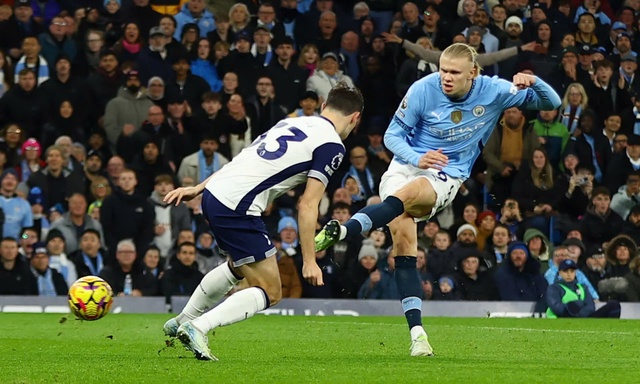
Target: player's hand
182,194
433,160
312,273
523,81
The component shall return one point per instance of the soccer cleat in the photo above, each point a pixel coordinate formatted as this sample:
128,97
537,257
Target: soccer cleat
421,347
195,341
328,236
171,327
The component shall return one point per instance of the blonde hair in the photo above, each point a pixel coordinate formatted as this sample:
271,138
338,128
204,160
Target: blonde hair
463,51
247,16
308,47
583,93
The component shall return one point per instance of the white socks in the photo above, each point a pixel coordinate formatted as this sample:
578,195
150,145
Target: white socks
417,331
343,232
212,288
239,306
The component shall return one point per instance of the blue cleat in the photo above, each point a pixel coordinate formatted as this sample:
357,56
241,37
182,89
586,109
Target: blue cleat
171,327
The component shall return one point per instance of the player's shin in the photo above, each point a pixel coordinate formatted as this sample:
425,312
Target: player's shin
373,216
239,306
212,288
410,290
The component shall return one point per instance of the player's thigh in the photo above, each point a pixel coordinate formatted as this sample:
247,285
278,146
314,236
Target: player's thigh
404,233
419,197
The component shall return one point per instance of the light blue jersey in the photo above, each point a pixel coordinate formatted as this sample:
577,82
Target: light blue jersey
427,120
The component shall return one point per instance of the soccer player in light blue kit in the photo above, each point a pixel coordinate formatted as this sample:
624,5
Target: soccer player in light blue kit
436,136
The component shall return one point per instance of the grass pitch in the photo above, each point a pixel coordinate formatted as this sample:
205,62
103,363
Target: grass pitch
40,348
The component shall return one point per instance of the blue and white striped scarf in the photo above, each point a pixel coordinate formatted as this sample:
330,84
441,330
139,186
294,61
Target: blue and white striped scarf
43,69
566,114
45,283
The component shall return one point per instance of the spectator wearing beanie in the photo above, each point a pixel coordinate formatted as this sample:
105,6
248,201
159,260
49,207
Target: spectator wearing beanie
45,281
380,284
31,162
16,211
519,278
41,222
486,222
58,259
446,290
287,255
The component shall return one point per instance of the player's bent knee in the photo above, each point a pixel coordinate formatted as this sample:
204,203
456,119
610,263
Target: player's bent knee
418,197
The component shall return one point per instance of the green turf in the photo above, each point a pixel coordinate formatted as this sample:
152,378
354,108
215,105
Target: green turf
38,348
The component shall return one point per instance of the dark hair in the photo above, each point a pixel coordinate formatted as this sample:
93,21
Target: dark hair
340,205
91,230
605,63
7,238
25,72
185,244
345,99
173,20
600,191
211,96
107,52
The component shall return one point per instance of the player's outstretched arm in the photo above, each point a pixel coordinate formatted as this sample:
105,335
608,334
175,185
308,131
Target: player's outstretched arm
186,193
307,219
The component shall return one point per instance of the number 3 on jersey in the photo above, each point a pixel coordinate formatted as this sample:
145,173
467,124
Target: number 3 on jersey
283,143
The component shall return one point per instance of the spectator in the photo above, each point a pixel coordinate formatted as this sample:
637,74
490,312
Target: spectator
631,227
623,163
209,255
633,292
600,224
126,268
309,104
620,251
170,219
130,45
289,79
74,223
90,258
182,278
126,214
55,181
440,258
560,254
309,59
575,100
55,43
568,298
149,164
518,278
510,145
16,212
184,83
128,110
242,63
202,164
88,57
379,284
154,59
262,108
628,196
261,48
267,19
539,247
131,142
426,237
45,281
595,268
115,166
474,284
553,135
104,85
69,162
14,272
58,259
24,107
151,263
31,162
446,290
486,222
497,247
577,184
590,146
203,64
33,61
194,11
324,79
287,253
601,94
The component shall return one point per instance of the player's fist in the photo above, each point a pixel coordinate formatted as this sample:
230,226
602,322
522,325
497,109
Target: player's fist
312,273
522,80
433,160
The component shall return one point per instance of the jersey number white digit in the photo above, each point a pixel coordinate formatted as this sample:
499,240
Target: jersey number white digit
283,144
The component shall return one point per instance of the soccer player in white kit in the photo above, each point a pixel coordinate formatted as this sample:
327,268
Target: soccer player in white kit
296,150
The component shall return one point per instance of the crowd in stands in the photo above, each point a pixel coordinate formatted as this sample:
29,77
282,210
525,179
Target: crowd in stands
106,106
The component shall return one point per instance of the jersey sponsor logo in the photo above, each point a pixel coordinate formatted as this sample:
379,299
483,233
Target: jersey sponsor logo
455,134
456,116
478,111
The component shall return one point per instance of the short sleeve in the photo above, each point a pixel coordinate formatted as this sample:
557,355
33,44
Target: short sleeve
326,160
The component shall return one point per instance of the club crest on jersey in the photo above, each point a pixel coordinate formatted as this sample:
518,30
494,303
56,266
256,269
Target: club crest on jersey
336,161
456,116
404,104
478,111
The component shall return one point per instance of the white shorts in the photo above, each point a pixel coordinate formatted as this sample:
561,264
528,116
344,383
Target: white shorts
398,175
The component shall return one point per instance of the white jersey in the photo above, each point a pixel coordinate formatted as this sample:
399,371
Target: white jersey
276,162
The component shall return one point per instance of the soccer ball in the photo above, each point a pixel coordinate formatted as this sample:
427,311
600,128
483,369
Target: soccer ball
90,298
